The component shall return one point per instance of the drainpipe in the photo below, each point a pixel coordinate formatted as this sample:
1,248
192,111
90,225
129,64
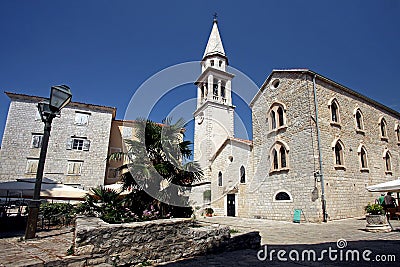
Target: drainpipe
321,175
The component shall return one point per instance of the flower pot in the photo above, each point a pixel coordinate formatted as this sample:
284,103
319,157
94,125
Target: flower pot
377,223
208,214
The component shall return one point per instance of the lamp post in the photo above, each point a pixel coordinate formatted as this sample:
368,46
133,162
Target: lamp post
60,96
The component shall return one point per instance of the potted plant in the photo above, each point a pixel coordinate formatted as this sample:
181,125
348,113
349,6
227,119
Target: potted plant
376,218
209,212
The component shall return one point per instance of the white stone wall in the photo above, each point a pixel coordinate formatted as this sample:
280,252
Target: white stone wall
241,155
16,144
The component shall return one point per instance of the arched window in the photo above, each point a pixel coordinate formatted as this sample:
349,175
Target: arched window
335,111
273,120
275,157
359,120
388,163
277,116
363,158
338,149
223,89
280,117
397,130
282,196
383,130
220,179
282,151
212,63
242,175
279,156
215,88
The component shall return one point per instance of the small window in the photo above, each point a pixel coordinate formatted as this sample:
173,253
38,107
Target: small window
220,63
242,175
363,158
215,88
81,119
334,112
275,159
223,89
383,128
275,84
112,173
359,120
36,140
282,151
397,130
273,120
207,196
230,158
81,144
280,117
282,196
388,163
32,165
74,167
212,63
126,132
220,179
338,154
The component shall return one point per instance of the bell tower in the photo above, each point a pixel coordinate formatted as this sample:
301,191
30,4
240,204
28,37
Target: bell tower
214,115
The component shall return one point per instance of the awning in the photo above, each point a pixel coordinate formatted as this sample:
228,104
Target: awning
23,188
391,186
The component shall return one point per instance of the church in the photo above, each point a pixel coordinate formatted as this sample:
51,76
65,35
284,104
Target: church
316,145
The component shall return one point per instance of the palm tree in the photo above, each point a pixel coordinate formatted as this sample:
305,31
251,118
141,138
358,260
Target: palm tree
158,164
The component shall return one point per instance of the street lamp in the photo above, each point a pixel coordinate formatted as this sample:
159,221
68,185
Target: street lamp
60,96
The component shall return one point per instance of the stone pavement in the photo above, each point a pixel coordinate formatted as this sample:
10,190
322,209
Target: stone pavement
51,247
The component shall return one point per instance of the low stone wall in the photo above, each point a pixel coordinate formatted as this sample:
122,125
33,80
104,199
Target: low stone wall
153,241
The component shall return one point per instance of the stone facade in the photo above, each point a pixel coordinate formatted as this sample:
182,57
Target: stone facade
345,184
153,241
81,164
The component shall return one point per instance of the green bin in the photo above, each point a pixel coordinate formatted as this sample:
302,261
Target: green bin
297,215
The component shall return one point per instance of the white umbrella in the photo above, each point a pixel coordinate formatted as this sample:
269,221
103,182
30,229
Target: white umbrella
391,186
23,188
118,187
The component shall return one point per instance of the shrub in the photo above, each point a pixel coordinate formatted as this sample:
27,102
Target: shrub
374,209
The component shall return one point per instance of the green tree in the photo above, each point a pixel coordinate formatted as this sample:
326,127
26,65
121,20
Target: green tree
158,167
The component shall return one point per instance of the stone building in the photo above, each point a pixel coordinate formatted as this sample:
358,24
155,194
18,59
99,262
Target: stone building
316,145
78,145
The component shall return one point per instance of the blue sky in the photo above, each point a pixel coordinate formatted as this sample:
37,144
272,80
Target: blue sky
105,50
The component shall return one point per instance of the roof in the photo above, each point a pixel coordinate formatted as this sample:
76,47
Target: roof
228,140
214,44
327,80
37,99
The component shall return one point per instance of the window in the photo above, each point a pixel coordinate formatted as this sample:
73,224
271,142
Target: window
212,63
220,63
78,144
242,175
397,130
282,196
223,89
36,140
126,132
273,120
220,179
32,165
279,156
215,88
277,116
383,128
338,154
363,157
207,196
359,120
112,173
82,119
388,164
74,167
334,107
